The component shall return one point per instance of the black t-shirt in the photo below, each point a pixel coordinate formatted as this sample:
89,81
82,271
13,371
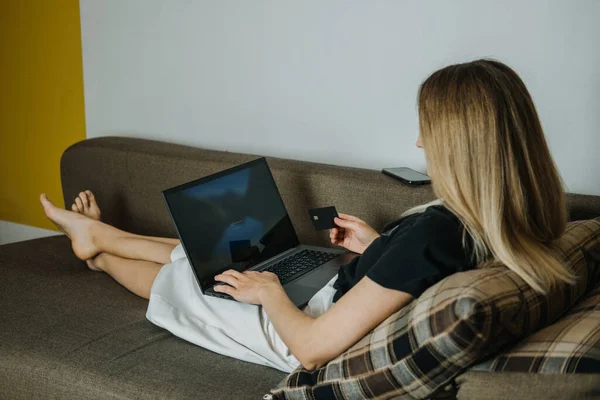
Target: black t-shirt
412,254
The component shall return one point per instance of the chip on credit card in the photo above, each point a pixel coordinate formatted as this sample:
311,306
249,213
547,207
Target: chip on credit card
322,218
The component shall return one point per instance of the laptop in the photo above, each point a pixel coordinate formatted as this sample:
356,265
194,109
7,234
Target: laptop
236,219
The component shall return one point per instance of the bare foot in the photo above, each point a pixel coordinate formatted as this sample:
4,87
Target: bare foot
76,226
86,204
92,265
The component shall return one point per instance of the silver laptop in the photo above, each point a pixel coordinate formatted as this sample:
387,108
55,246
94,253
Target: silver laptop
236,219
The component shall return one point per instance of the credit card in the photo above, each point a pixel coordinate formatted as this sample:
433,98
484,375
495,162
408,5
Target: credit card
322,218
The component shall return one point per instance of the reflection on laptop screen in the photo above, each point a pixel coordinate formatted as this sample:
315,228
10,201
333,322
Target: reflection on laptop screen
233,219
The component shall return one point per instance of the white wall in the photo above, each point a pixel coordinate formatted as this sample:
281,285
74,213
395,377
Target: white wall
332,81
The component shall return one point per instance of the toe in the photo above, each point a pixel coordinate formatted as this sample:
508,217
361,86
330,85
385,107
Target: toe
49,208
91,199
79,204
45,201
84,199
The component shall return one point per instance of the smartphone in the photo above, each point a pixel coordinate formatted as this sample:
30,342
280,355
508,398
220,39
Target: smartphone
407,175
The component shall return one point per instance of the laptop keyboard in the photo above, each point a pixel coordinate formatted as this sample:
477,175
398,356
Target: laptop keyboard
299,263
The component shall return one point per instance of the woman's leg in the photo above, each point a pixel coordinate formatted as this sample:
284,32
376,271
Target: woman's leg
90,237
85,203
108,239
136,275
171,241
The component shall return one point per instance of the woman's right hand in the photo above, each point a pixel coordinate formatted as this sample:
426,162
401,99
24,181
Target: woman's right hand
352,233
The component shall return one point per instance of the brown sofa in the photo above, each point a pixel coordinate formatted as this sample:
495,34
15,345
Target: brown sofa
69,333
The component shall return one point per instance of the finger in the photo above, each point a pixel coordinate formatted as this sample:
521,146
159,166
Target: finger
345,223
333,233
90,194
233,273
350,217
338,235
224,289
74,208
271,274
79,204
84,199
228,279
251,272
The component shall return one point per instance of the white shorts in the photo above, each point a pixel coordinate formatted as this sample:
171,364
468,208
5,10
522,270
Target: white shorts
238,330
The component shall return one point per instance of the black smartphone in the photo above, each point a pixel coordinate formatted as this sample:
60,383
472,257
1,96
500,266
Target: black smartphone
407,175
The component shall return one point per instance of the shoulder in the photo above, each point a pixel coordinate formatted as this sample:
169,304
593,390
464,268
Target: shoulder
438,216
423,250
435,228
435,222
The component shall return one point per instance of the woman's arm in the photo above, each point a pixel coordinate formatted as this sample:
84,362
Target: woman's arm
315,341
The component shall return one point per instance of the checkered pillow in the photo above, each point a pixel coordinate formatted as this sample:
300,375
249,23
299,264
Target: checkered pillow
464,318
570,345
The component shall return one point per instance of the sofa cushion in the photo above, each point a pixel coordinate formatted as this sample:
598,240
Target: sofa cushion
69,333
561,361
417,351
571,345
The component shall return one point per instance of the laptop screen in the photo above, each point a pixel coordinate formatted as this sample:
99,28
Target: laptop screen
231,220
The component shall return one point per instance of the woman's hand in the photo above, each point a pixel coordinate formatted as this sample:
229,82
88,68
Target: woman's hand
246,286
353,233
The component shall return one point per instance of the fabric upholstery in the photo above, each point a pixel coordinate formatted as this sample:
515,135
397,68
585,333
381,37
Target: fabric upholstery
465,317
528,386
129,174
70,333
129,186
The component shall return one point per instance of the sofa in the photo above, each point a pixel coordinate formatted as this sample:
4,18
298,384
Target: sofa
69,333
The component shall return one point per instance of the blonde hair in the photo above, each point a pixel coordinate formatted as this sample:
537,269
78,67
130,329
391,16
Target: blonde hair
490,165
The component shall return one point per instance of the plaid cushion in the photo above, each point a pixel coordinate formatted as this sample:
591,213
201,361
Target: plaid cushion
462,319
571,345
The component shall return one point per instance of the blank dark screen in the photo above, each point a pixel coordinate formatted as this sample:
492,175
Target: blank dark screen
233,221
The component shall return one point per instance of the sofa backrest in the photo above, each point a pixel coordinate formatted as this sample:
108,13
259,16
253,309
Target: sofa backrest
127,176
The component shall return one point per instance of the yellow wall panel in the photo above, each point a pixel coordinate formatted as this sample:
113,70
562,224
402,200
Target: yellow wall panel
41,102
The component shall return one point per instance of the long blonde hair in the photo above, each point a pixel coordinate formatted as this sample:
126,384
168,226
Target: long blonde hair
490,165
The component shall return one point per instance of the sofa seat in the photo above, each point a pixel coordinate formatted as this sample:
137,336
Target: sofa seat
67,332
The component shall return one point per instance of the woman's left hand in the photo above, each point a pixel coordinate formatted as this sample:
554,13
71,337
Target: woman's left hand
246,286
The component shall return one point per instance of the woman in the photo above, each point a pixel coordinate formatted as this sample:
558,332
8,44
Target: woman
500,202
